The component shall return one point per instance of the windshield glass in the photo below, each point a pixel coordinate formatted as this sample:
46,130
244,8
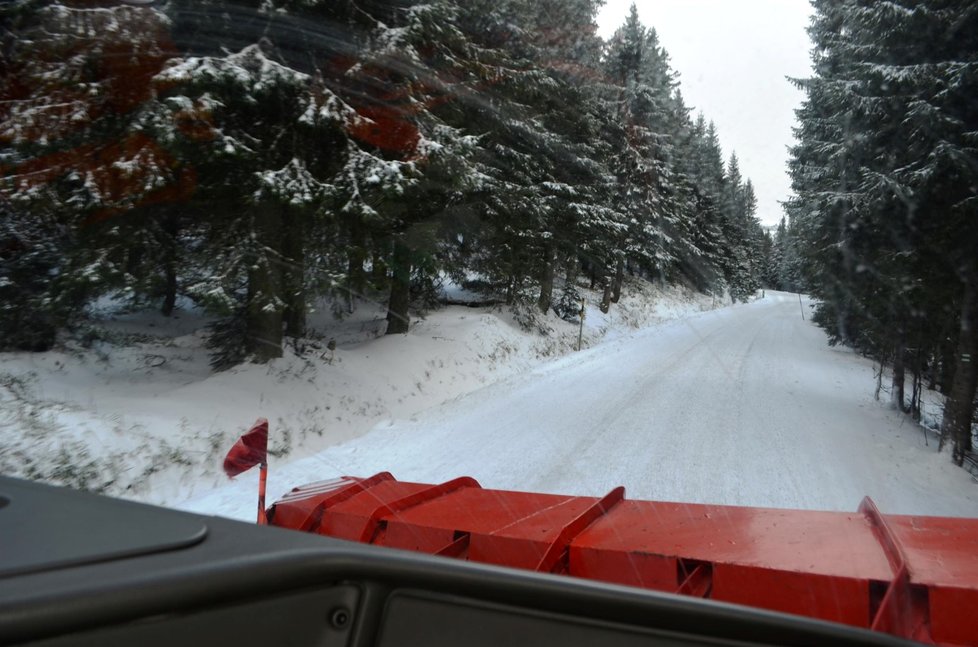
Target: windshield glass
716,253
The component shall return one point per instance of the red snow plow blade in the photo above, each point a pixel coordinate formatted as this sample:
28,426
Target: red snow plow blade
910,576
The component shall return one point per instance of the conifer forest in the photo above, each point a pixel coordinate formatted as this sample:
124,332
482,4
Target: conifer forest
254,157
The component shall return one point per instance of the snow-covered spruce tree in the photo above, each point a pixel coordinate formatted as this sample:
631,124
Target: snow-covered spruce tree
82,162
741,232
702,163
883,211
769,267
676,250
882,175
755,239
642,85
784,271
940,77
567,48
696,236
839,223
265,141
404,182
534,114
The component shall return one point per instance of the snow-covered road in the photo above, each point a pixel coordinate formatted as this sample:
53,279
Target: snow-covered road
746,405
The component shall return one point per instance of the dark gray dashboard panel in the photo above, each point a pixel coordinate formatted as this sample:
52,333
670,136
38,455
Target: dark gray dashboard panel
416,618
299,620
43,528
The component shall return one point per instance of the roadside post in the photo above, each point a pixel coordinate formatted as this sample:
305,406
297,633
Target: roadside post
580,332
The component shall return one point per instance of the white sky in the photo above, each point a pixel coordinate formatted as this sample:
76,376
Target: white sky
732,57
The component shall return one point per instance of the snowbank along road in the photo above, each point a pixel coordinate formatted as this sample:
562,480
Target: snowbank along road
743,406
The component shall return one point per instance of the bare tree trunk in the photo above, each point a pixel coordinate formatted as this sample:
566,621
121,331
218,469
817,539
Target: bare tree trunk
947,364
959,406
619,277
899,374
356,256
294,273
169,288
931,365
606,296
170,254
572,269
918,386
917,378
378,274
398,317
547,279
879,379
263,315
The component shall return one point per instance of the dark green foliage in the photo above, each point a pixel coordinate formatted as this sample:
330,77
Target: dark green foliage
568,305
29,264
226,339
255,156
884,219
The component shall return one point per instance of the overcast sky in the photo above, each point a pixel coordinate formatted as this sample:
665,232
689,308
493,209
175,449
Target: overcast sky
732,57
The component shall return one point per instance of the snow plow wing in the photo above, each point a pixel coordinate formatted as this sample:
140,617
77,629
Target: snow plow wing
910,576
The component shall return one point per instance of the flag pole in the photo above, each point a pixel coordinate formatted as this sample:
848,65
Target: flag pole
262,477
250,450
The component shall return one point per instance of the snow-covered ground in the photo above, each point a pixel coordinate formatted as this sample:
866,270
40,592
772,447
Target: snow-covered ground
672,398
746,405
139,413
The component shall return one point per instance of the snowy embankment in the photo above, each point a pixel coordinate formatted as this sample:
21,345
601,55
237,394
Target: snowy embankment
744,405
673,397
138,413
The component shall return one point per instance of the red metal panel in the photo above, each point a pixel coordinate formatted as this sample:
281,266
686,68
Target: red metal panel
827,543
301,507
811,563
839,599
376,520
942,555
524,541
628,567
954,615
903,608
435,524
419,537
912,576
346,519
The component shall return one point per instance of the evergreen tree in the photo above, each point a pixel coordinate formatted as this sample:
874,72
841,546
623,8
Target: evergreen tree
889,229
255,157
84,164
647,195
259,178
535,156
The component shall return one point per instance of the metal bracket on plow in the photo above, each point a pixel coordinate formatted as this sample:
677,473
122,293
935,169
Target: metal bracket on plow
555,559
903,610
